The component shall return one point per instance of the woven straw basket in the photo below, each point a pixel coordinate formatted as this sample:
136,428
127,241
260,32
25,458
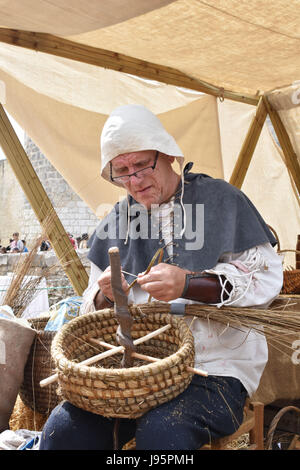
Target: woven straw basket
109,390
291,281
39,365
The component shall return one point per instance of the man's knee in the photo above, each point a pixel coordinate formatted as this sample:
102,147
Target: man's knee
71,428
160,429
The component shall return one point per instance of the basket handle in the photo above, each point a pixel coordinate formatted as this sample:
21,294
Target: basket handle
276,236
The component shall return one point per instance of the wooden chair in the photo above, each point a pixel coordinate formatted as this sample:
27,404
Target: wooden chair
253,424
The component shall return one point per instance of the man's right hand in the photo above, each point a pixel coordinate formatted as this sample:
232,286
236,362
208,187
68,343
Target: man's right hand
104,282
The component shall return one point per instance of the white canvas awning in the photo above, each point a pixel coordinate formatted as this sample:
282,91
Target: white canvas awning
239,45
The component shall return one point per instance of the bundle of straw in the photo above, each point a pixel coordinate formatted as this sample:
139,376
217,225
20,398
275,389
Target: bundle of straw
24,417
24,287
279,320
21,292
278,323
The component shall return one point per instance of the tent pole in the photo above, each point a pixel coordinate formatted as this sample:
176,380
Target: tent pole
285,142
247,150
41,205
58,46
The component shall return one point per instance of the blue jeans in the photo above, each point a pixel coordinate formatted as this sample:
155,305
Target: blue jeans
210,407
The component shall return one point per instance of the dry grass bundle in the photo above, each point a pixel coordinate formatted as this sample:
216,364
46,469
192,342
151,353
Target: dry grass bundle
24,287
278,323
273,320
24,417
21,292
241,443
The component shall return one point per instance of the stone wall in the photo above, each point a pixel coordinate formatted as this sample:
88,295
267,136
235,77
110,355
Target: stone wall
16,215
11,203
15,210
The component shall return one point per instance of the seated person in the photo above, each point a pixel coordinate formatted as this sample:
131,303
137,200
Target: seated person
25,249
84,241
16,242
217,250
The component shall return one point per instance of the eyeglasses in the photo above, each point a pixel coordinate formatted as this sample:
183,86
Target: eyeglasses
138,174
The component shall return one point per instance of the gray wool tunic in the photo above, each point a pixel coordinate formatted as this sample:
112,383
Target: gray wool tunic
219,218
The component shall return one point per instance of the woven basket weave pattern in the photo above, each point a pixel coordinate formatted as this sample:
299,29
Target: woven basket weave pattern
39,365
109,390
291,281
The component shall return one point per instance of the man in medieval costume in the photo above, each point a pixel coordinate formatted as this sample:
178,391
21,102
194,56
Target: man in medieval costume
217,250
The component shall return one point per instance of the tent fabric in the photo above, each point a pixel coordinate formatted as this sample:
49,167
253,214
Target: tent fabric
241,46
86,86
238,45
287,102
267,182
71,16
70,136
281,376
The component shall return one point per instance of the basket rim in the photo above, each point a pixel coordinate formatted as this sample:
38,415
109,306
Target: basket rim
37,321
66,366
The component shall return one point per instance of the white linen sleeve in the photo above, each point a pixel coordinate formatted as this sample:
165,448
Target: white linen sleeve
90,292
256,277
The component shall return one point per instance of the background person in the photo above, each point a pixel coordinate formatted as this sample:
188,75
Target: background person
84,241
25,249
16,242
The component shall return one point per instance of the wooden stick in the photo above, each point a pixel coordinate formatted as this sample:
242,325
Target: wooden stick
291,159
58,46
98,357
121,309
144,357
41,204
249,145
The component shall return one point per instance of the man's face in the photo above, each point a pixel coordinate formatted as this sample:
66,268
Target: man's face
154,188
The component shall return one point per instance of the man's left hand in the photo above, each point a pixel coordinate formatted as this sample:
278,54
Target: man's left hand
164,282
